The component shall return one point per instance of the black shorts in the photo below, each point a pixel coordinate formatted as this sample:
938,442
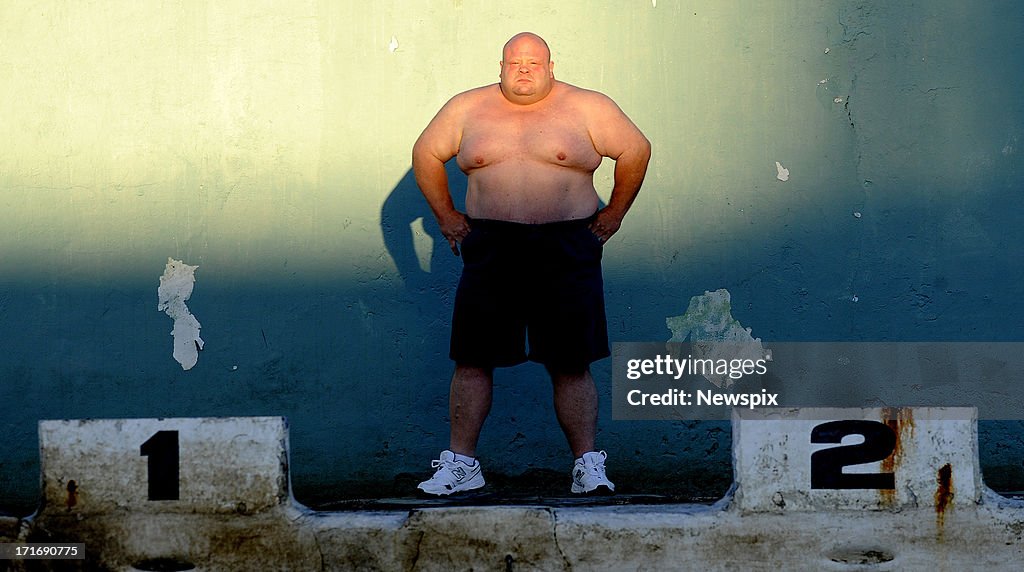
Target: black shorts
540,282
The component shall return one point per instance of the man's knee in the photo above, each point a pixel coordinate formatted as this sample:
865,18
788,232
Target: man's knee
467,371
567,373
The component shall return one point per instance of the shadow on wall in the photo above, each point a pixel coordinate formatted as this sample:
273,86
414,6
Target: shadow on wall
403,207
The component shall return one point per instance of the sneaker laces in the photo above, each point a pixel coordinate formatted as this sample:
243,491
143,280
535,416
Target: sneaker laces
442,464
449,471
596,467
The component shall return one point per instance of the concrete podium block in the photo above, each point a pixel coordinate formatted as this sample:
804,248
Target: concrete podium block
235,465
851,458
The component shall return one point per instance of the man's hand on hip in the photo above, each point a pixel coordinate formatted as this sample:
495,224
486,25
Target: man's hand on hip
605,224
455,228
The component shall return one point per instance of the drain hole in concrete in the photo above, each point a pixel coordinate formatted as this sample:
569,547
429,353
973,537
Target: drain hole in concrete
861,557
164,565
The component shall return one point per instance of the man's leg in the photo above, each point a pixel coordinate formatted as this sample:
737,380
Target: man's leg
469,402
576,408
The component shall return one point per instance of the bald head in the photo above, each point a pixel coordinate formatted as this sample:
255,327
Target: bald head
514,41
527,74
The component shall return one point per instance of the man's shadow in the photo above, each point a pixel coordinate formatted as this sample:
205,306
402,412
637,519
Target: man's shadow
434,282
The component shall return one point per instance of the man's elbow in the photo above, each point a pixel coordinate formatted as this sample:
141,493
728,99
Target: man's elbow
422,157
419,149
645,148
640,150
427,155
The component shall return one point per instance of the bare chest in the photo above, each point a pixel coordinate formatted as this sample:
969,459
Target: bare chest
551,137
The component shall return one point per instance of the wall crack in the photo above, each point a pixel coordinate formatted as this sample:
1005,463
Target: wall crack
566,565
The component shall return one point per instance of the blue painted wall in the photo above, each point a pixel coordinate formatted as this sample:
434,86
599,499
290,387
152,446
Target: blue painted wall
270,147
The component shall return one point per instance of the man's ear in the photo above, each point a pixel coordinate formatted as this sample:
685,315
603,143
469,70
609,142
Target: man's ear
551,69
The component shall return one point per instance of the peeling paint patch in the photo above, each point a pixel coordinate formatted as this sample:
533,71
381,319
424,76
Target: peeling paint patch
175,289
393,45
783,173
708,318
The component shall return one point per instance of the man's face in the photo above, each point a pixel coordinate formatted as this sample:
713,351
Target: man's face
526,70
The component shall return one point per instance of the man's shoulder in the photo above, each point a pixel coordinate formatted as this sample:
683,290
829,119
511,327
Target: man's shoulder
476,94
466,103
582,96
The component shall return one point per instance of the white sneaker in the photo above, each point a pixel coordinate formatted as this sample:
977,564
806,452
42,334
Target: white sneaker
452,476
588,475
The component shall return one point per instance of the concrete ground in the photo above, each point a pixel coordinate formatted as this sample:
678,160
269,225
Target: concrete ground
239,514
568,535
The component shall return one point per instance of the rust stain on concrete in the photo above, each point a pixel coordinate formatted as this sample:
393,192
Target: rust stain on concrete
944,494
901,421
72,495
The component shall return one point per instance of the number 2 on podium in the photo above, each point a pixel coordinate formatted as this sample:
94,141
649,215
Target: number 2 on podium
827,464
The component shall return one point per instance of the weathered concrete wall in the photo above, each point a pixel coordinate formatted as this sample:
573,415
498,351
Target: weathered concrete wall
921,523
268,144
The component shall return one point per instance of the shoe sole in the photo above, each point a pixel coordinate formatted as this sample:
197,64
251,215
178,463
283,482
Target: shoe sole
598,491
473,484
463,494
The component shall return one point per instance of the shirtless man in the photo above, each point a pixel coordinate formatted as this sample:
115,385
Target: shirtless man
531,245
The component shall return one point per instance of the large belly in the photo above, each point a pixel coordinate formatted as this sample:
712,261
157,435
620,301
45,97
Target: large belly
530,192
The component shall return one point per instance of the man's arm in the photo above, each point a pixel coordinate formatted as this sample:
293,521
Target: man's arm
615,136
438,143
